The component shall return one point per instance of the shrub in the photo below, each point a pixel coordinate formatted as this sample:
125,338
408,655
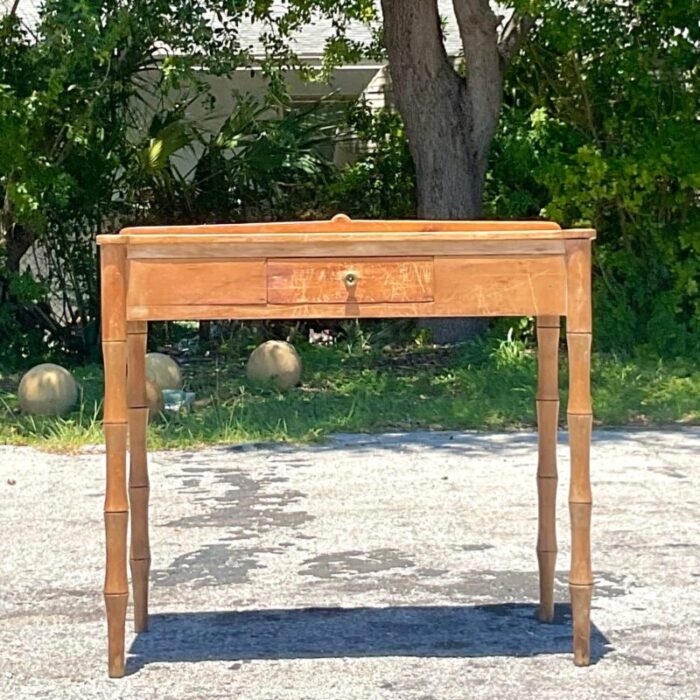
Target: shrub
600,128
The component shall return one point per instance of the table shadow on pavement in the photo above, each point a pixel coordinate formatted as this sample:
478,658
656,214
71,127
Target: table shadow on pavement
508,629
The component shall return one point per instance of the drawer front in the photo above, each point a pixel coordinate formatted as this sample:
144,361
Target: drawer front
192,282
350,280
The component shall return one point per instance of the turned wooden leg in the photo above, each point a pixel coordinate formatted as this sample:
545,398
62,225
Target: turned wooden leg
580,421
547,423
140,558
116,508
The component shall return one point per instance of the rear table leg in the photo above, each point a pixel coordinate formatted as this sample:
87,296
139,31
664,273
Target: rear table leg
140,558
547,422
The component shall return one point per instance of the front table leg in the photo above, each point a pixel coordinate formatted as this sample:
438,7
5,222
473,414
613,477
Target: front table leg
580,421
116,508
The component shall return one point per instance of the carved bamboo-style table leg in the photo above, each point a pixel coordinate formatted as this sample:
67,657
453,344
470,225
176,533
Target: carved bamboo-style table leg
547,422
116,508
140,558
580,420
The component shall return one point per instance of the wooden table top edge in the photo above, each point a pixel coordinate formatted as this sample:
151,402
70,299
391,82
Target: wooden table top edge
178,235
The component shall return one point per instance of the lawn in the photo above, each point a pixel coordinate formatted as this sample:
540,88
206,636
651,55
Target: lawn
485,384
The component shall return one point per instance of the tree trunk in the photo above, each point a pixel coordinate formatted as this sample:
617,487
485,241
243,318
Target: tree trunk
450,119
14,238
15,241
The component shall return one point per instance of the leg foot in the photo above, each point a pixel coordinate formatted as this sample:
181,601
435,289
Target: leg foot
581,611
547,563
139,573
116,619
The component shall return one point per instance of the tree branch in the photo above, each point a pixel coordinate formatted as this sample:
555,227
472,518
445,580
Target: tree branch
513,35
478,29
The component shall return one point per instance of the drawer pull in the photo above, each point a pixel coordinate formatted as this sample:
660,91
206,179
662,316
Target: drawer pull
351,279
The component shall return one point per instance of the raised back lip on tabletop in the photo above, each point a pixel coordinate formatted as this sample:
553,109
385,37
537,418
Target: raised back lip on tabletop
342,227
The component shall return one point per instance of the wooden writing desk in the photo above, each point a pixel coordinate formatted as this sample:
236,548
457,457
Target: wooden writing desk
339,269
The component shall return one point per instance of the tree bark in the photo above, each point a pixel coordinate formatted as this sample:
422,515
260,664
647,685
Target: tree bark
15,241
450,118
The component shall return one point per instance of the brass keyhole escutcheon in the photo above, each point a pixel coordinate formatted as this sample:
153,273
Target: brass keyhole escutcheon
351,279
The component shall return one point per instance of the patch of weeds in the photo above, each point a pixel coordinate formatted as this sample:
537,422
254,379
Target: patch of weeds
364,386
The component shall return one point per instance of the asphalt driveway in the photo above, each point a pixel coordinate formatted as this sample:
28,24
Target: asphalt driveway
393,566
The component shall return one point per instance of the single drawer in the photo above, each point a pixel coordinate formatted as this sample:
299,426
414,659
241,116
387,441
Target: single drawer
354,280
191,282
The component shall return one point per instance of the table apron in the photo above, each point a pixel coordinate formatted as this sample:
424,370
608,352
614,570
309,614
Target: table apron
440,286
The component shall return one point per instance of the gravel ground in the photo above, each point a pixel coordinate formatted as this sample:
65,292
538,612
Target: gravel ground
391,566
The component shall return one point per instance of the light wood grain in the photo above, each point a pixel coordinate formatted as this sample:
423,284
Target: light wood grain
504,286
114,359
136,364
547,362
350,280
140,552
116,581
580,501
465,307
113,275
547,423
578,271
344,244
184,312
113,292
462,287
342,223
156,282
347,246
580,427
579,373
116,500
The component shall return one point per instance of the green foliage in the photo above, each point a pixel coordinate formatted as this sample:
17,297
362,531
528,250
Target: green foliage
381,183
265,161
600,128
80,155
273,165
67,100
20,342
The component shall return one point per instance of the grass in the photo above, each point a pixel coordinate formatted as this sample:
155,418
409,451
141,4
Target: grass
486,384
